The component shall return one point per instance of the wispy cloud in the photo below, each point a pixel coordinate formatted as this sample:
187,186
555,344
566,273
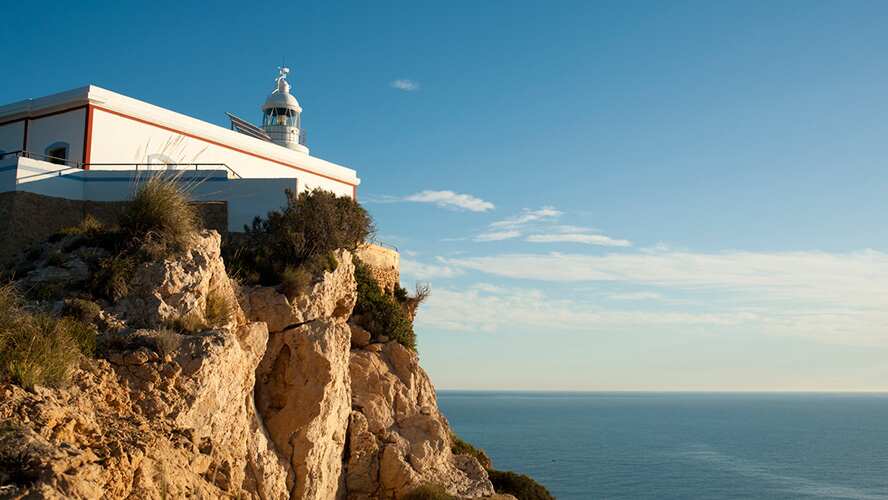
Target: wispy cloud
421,271
588,239
486,308
449,199
498,235
635,296
444,199
841,297
405,85
526,216
541,226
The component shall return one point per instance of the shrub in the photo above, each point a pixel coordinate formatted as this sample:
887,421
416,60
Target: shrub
378,312
190,322
83,334
89,227
294,281
166,341
460,447
160,216
411,304
220,308
82,309
519,485
55,258
311,226
46,291
429,492
112,278
37,349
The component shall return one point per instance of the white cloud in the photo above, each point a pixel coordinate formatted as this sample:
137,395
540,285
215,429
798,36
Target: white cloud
405,85
449,199
635,296
541,227
498,235
588,239
420,271
527,216
485,308
837,297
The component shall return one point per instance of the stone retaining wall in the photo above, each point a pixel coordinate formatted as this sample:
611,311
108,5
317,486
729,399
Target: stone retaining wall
384,264
28,218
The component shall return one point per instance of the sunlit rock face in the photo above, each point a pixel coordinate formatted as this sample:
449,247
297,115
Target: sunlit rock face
286,399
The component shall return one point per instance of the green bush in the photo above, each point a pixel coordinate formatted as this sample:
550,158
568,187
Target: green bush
82,309
311,226
429,492
460,447
519,485
38,349
160,216
379,313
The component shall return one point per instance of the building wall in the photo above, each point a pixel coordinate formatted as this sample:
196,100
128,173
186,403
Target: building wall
246,198
119,139
12,136
67,127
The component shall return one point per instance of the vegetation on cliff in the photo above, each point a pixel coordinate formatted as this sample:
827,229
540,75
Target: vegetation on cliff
380,313
37,348
290,246
521,486
182,363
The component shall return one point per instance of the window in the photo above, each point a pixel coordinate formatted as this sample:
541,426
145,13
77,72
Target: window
57,153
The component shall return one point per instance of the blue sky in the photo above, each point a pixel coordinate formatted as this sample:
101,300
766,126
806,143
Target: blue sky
626,195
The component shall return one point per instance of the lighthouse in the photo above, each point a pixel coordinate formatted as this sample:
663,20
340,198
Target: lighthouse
281,115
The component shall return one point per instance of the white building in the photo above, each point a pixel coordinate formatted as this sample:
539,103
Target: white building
93,144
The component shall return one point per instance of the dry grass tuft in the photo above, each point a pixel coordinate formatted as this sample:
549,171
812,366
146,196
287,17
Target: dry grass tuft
38,349
220,308
160,216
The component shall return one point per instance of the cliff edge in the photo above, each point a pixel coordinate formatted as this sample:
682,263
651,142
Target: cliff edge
203,388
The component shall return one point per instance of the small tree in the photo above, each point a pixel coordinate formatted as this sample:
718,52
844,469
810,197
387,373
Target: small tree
313,224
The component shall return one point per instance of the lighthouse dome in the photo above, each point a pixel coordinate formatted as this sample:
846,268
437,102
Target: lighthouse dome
282,98
281,116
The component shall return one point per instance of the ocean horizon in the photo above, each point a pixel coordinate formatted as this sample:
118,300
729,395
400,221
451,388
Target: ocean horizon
670,444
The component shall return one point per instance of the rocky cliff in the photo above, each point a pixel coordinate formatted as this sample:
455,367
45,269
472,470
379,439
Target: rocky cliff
283,398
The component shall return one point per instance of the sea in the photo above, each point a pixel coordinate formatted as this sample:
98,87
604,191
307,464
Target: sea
593,445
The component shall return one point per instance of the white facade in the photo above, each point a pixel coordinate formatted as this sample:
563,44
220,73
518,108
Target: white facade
91,130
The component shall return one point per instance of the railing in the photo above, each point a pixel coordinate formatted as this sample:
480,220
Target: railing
161,166
41,157
385,245
72,164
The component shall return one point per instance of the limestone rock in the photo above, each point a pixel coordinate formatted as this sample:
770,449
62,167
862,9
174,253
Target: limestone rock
149,427
398,407
179,286
360,337
295,404
303,395
332,297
